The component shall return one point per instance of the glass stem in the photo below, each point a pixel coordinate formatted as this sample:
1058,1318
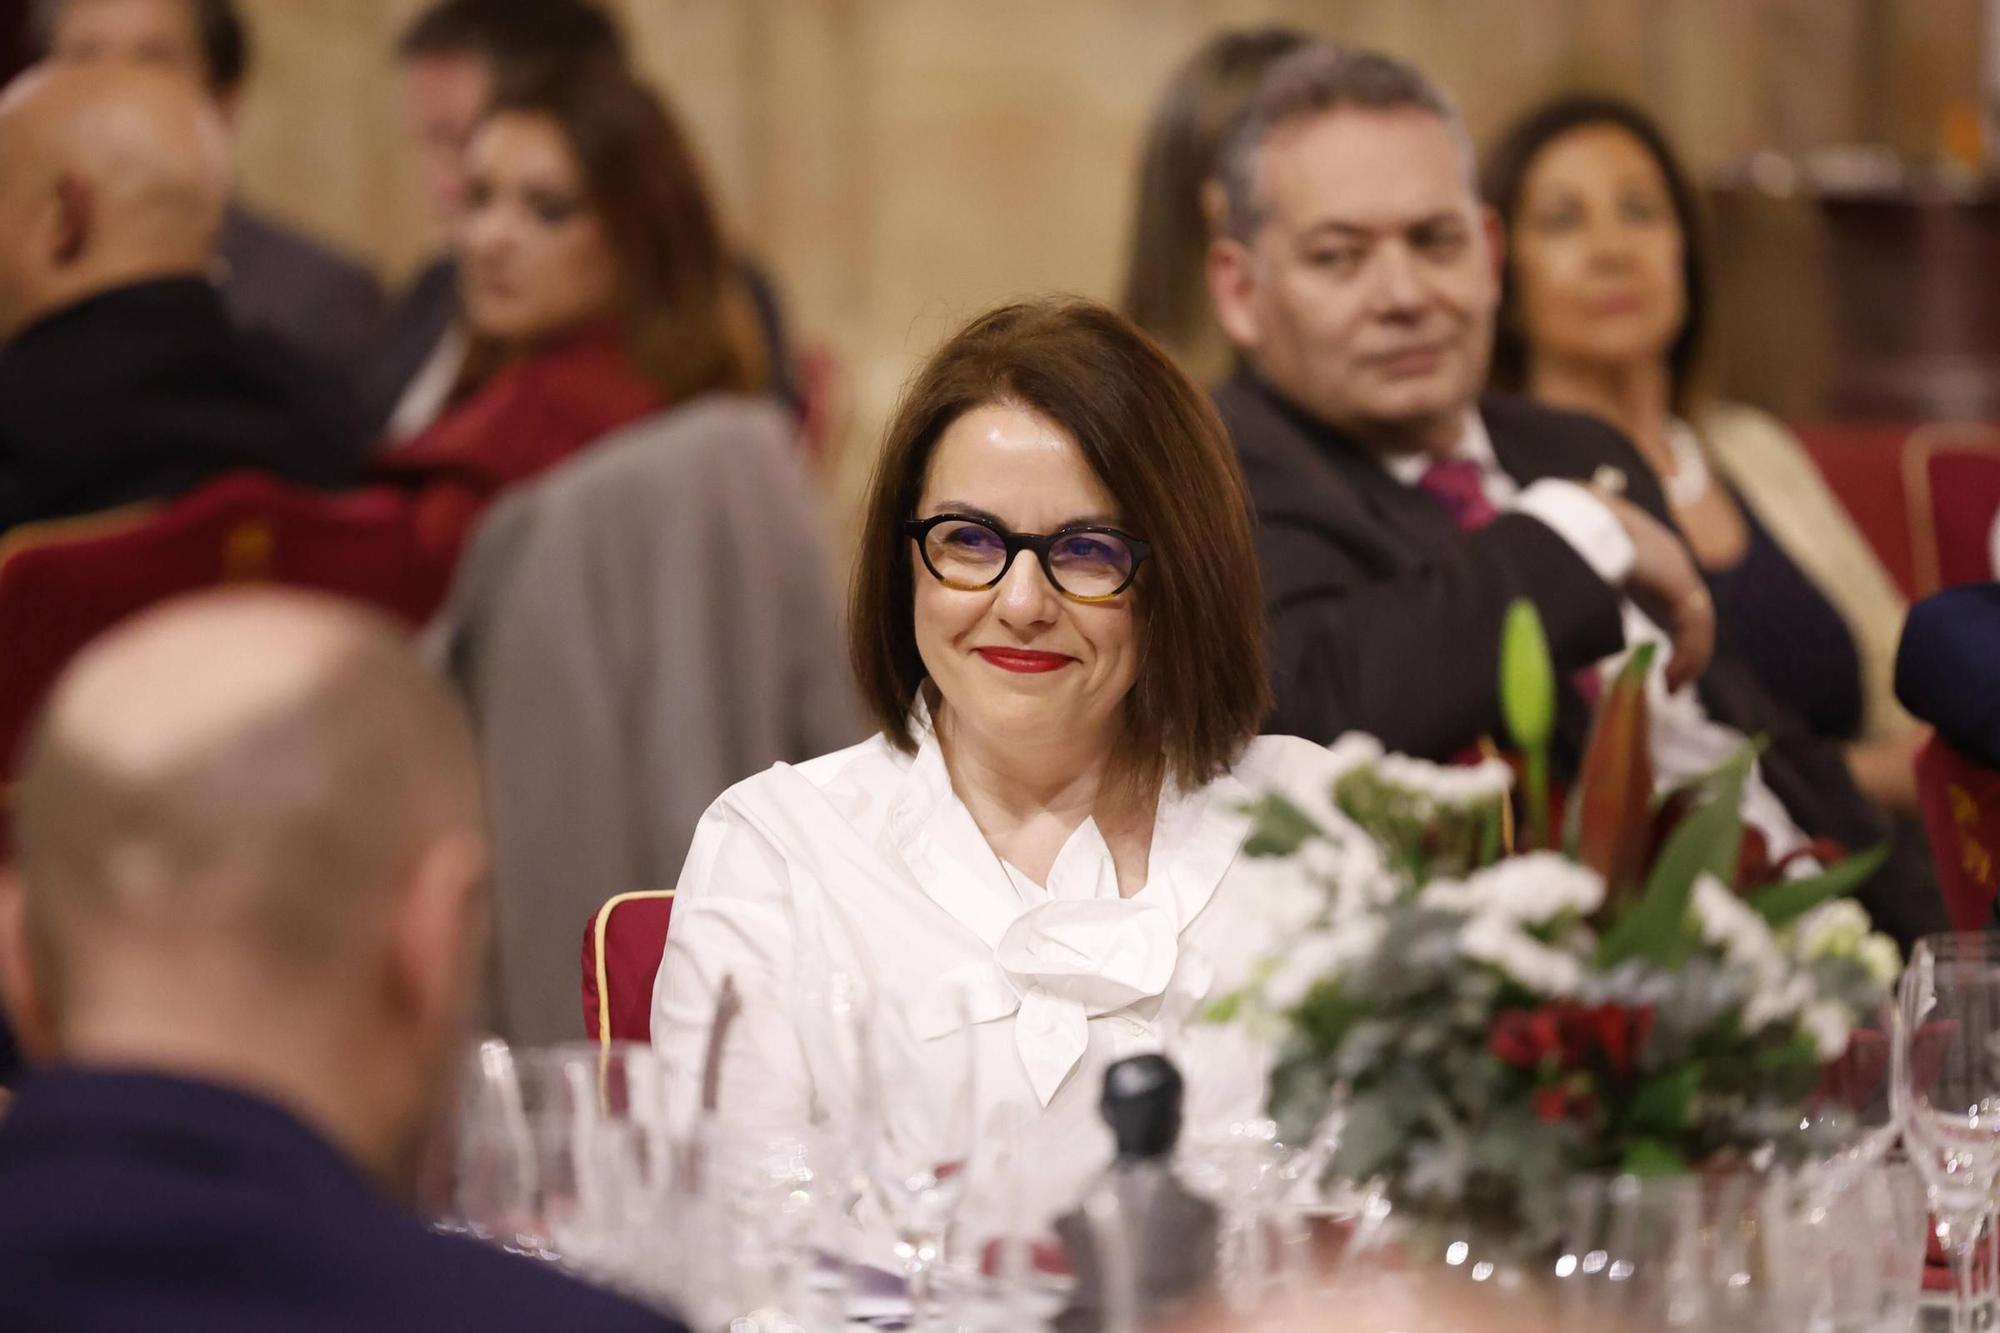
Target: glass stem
923,1293
1958,1235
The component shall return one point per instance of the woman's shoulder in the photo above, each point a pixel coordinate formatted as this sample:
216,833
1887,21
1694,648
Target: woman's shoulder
1732,428
1268,760
843,778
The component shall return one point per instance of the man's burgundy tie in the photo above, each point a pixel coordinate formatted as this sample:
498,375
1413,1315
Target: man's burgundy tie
1459,485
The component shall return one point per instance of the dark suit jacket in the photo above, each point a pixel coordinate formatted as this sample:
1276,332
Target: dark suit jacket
144,391
407,336
276,281
1948,668
137,1201
1386,618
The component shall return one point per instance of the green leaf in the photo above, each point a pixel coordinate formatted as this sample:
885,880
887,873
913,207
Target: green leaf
1650,1157
1224,1010
1783,903
1707,842
1279,828
1660,1106
1527,677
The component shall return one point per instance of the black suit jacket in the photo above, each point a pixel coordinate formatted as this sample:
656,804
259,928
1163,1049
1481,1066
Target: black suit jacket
409,333
137,1201
1386,618
279,283
145,391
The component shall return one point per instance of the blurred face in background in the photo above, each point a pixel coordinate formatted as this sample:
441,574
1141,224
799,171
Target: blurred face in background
535,257
443,98
1019,663
153,32
1597,252
1366,294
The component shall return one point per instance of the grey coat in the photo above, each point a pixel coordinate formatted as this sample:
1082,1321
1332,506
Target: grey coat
639,630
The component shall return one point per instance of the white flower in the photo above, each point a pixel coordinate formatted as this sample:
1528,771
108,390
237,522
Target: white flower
1494,940
1446,784
1318,956
1879,956
1828,1025
1780,995
1281,894
1834,929
1352,750
1730,925
1531,889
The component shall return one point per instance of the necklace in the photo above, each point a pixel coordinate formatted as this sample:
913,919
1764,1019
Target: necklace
1688,481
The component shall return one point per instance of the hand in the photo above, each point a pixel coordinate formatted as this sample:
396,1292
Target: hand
1664,571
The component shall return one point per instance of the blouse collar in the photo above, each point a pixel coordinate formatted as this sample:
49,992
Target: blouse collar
1072,950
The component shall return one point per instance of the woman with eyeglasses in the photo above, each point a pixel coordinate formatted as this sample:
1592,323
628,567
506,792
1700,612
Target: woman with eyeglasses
1056,624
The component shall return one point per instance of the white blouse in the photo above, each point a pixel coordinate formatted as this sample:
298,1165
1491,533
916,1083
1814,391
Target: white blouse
865,862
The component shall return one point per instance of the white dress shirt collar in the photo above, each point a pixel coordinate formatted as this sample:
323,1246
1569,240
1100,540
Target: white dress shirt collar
1474,443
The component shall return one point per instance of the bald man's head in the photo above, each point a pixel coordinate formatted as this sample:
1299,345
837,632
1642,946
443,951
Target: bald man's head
261,771
109,175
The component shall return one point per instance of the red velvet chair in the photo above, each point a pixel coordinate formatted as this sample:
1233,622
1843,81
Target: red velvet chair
622,947
1961,806
1951,475
62,583
1862,464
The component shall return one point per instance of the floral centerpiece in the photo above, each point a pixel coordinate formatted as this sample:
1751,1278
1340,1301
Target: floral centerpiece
1493,1023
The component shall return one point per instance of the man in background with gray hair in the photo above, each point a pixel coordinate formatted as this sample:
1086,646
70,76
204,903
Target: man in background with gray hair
1400,512
242,944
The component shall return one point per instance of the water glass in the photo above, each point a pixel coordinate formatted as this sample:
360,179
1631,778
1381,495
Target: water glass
1946,1084
921,1109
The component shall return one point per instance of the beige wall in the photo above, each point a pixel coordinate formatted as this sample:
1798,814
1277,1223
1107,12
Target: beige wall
901,163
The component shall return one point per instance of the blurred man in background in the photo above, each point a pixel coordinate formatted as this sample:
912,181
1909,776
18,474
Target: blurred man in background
243,942
123,378
1400,512
272,278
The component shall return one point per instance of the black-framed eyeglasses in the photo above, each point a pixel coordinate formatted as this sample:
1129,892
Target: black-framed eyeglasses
1083,562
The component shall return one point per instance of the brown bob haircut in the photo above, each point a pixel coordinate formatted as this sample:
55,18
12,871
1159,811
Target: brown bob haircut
689,323
1156,444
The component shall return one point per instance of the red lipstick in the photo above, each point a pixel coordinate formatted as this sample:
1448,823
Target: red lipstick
1024,659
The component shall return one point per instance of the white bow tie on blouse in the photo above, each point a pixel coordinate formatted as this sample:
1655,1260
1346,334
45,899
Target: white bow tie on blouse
1070,952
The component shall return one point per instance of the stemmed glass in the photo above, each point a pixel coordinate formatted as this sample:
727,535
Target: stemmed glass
564,1153
1946,1073
921,1117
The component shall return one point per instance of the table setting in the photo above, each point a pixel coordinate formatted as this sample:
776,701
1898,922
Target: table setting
1574,1065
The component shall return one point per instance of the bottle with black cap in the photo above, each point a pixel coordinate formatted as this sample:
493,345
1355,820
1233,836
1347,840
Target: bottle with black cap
1140,1245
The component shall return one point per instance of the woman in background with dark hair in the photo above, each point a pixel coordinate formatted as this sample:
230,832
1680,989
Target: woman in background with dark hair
596,289
1179,203
1604,311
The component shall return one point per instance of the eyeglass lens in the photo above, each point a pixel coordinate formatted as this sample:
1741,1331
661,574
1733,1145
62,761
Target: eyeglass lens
1085,564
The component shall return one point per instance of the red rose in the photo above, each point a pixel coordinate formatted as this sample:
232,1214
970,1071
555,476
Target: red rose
1564,1101
1620,1034
1551,1105
1523,1038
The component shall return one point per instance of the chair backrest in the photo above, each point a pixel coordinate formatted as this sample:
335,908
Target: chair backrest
1861,462
62,583
1951,475
622,947
1961,808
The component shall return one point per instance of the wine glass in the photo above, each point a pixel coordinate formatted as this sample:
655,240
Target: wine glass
1946,1072
563,1154
922,1113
